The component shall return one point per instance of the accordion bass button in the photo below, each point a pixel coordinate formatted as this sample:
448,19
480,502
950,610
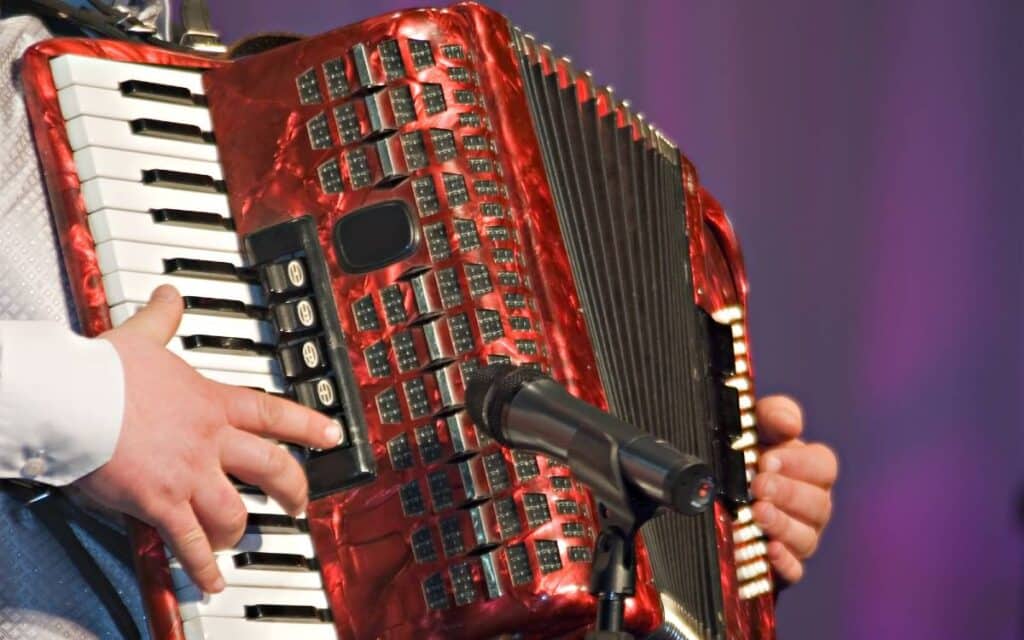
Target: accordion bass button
438,342
473,479
368,75
379,114
461,434
451,392
426,294
393,167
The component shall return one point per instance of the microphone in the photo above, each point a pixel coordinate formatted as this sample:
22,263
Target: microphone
523,408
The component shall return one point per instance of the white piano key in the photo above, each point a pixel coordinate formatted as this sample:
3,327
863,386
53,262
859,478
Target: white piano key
130,286
138,226
118,255
87,131
100,193
231,602
223,361
202,323
109,74
244,577
102,162
216,628
294,543
299,544
271,383
77,100
262,503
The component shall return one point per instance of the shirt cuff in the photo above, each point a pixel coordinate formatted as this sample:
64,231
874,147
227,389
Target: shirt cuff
61,402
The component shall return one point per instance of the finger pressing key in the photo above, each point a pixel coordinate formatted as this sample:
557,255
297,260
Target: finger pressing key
219,509
267,465
181,532
273,417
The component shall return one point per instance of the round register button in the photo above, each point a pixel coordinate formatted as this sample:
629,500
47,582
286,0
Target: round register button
296,274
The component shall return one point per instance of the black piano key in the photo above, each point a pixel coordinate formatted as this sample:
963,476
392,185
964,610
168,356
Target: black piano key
160,92
245,487
171,130
261,560
286,613
197,219
221,307
222,344
183,180
275,523
209,269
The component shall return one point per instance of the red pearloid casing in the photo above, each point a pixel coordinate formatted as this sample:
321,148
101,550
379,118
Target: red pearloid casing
361,536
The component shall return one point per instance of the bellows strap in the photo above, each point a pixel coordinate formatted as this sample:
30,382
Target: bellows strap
55,511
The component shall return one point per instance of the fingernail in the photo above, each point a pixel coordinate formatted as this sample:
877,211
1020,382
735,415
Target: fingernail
333,432
218,585
767,487
771,463
164,293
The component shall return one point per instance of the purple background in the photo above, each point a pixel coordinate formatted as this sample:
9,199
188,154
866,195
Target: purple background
869,154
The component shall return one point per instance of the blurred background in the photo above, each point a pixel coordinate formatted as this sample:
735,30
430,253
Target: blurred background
870,156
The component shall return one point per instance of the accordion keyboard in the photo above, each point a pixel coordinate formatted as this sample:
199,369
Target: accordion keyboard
154,192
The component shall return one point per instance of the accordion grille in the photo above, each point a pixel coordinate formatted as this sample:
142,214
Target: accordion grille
618,192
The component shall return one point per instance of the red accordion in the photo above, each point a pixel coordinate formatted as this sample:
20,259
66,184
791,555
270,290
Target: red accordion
407,199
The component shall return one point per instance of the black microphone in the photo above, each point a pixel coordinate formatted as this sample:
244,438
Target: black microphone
523,408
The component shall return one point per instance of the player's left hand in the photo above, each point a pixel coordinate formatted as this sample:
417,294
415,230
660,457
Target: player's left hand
793,489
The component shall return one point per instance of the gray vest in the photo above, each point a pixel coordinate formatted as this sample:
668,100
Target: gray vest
42,595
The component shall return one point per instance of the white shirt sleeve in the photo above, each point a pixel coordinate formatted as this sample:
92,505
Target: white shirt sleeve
61,402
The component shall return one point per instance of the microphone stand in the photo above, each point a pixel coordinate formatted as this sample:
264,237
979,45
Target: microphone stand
620,515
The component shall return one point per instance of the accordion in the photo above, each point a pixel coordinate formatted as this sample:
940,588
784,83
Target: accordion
358,221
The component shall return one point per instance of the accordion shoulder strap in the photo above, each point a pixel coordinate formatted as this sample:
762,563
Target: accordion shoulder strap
56,512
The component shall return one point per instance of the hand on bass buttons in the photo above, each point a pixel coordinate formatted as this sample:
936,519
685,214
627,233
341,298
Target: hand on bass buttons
793,489
181,435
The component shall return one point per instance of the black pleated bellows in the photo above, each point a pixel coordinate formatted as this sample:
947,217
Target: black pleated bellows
622,215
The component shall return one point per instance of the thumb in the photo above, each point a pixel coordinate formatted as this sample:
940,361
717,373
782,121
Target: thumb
159,319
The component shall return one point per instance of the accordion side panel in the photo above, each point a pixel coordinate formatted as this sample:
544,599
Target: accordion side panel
78,249
721,284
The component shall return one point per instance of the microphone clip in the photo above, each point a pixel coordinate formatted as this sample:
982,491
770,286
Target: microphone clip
620,514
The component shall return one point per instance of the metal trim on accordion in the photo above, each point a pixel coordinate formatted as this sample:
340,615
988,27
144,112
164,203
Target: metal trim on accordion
389,206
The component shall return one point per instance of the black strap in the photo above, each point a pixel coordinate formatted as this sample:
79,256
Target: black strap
54,510
97,19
